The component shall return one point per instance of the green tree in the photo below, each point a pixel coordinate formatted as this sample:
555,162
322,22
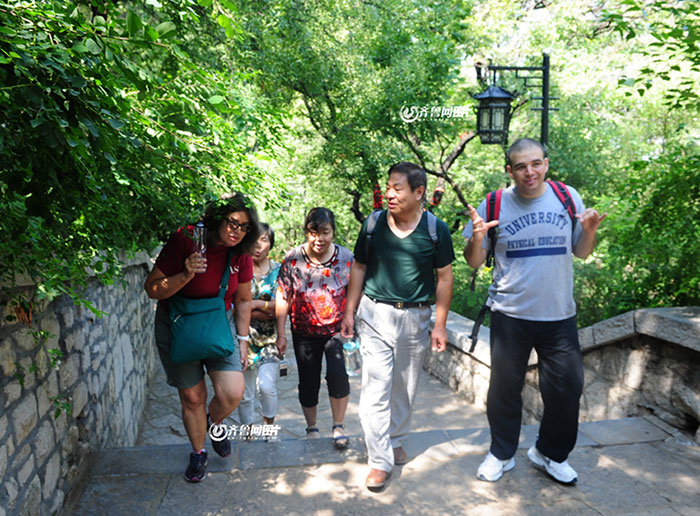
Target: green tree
112,135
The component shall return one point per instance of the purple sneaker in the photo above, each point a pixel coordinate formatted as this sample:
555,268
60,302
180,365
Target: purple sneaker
219,438
197,469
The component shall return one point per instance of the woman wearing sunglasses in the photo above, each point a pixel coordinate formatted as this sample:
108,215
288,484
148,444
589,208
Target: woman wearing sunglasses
231,223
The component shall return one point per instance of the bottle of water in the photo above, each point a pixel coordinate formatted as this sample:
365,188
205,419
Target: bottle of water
351,355
283,367
199,235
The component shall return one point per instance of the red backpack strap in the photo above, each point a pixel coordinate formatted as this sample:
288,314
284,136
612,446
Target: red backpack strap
564,196
493,205
493,211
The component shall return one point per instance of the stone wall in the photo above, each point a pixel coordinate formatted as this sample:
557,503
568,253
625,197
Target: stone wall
641,362
104,372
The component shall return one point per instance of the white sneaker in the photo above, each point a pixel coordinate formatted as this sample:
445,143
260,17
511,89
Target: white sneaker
559,471
491,469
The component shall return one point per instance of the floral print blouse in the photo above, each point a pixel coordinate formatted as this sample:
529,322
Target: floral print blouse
263,334
316,292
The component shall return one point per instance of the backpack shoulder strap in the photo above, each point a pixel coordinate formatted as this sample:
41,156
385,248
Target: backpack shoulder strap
493,205
371,224
564,196
432,228
493,211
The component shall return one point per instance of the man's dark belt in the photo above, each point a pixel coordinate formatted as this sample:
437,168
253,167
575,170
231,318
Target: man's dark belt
402,304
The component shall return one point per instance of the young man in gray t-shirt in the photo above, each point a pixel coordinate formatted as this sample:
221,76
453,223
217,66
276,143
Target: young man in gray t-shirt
532,305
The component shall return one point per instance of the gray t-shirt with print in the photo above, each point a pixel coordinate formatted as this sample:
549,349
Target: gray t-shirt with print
533,272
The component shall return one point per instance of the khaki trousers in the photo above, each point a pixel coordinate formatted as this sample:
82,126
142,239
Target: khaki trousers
393,343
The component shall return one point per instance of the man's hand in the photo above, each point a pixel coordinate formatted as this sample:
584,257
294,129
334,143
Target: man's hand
474,253
590,219
347,326
481,228
439,338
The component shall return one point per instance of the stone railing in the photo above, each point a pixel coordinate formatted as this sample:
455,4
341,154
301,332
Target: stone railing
103,376
640,362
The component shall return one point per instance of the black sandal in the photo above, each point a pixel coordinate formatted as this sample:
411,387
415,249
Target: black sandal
340,441
310,430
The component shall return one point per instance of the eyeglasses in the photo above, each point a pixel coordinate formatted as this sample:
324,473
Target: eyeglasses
234,225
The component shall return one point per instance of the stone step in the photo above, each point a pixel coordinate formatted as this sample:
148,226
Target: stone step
439,444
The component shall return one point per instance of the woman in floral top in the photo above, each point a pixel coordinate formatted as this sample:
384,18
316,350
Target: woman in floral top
263,355
312,287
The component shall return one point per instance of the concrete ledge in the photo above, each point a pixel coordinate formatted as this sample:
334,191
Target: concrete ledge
680,325
616,328
677,325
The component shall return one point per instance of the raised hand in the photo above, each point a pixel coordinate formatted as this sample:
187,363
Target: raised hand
481,227
590,220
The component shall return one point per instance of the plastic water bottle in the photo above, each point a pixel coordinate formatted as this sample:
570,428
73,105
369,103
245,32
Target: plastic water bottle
351,354
284,367
199,235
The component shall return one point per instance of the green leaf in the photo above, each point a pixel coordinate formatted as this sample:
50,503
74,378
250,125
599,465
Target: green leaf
151,33
166,29
133,24
223,20
108,156
93,46
154,3
216,99
78,82
79,47
205,3
116,124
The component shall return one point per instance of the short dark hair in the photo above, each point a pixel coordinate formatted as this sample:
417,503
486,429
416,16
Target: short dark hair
415,175
218,210
318,217
265,229
521,144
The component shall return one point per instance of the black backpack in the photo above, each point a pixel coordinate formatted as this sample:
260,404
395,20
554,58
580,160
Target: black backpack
493,210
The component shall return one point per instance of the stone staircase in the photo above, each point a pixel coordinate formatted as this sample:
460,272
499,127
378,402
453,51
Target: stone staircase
629,466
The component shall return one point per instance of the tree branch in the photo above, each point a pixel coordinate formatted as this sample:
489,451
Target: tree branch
464,138
355,208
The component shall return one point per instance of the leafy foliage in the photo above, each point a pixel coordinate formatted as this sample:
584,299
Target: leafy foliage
112,135
650,243
122,119
673,46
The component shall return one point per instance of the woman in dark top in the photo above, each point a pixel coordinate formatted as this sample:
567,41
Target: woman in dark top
230,223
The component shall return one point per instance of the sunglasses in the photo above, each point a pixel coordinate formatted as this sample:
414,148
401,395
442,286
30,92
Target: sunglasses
234,225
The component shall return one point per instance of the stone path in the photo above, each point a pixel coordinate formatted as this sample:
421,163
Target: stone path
636,466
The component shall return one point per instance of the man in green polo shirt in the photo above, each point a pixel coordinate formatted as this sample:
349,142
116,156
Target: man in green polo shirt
396,274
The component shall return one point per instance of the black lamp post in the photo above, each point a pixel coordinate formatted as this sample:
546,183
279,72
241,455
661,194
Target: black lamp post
493,113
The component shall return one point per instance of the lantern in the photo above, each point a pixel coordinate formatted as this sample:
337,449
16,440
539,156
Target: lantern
493,115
